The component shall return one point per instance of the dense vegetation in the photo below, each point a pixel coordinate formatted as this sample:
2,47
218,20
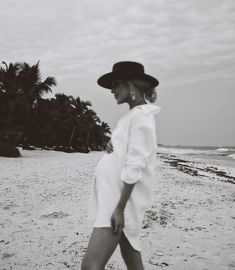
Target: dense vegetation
62,122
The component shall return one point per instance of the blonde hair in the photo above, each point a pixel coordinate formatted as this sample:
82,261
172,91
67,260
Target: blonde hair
149,92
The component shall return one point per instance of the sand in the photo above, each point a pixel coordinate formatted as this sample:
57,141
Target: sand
43,212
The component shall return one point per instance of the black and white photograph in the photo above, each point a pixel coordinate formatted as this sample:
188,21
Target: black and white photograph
117,135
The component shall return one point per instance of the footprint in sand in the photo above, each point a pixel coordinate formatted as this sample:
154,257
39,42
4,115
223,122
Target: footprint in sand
7,255
153,261
9,206
59,214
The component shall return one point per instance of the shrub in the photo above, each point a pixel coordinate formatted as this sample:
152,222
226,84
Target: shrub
28,147
65,149
82,149
7,150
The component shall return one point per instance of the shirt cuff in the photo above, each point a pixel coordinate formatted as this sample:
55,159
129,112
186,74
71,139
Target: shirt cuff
131,174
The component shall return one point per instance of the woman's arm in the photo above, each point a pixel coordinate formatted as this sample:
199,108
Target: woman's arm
141,144
117,219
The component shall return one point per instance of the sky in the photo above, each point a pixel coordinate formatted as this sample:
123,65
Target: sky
189,46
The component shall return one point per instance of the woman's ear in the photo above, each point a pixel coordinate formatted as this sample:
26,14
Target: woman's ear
131,86
132,90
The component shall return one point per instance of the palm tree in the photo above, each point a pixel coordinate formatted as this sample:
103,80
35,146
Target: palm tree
77,108
58,120
21,82
32,88
10,92
105,127
90,119
32,85
25,117
44,131
9,86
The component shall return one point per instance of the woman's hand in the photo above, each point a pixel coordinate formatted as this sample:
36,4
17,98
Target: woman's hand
109,147
117,221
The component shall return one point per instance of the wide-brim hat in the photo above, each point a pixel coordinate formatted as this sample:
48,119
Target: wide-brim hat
126,70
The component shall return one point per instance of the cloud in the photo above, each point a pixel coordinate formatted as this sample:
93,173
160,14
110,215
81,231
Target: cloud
182,42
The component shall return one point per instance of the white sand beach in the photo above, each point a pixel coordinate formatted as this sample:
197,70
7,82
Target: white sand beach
43,211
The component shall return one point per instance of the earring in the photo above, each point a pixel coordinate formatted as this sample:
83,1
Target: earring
133,97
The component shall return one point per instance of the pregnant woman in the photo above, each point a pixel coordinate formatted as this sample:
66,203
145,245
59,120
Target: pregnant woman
123,179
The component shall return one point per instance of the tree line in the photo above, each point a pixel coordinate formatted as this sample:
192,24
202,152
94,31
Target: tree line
61,122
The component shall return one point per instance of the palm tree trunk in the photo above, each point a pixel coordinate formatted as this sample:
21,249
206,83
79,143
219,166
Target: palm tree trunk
72,135
10,109
87,138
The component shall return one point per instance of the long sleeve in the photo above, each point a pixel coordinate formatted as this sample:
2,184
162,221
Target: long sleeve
141,145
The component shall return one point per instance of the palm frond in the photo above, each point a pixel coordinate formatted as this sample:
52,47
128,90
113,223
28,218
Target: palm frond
50,81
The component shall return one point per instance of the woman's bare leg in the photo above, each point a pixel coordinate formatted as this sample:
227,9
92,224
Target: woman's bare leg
131,257
101,246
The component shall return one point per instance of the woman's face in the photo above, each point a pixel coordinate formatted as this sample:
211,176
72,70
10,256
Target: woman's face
121,91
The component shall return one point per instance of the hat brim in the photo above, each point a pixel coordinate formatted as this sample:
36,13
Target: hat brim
107,79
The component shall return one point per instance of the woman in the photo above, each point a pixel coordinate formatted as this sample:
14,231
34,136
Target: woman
122,184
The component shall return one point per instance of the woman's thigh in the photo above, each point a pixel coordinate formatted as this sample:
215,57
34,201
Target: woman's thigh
101,246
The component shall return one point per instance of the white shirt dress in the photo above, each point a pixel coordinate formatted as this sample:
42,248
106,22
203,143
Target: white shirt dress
132,161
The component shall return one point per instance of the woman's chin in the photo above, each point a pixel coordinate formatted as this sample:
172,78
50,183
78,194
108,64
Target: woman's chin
119,101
